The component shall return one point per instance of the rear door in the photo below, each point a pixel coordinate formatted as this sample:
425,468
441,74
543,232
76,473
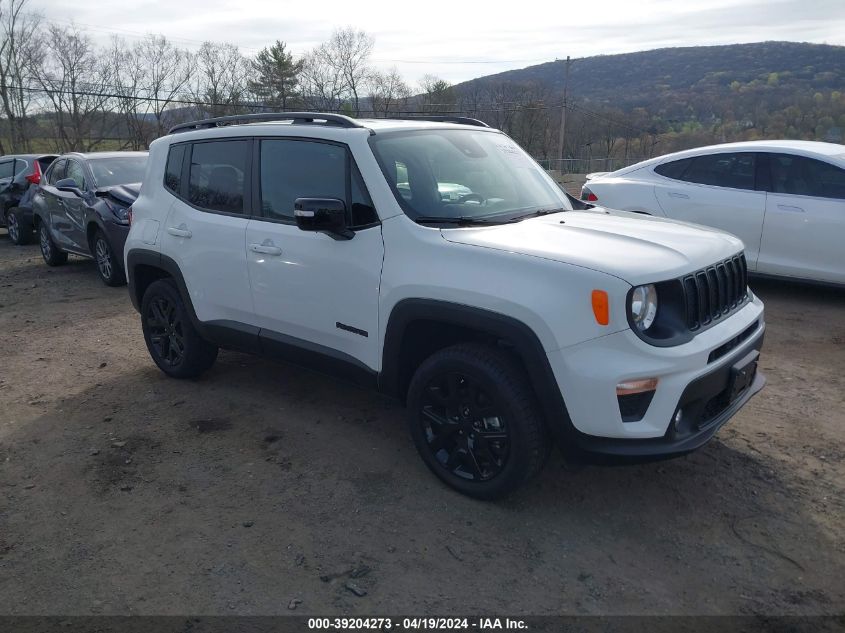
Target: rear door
804,232
312,291
205,231
716,190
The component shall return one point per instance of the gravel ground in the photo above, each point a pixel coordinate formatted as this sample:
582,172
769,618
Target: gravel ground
259,485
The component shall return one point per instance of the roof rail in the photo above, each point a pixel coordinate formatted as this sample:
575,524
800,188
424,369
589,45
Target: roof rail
463,120
297,118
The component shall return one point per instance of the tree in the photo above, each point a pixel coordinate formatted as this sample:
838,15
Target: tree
220,78
388,92
337,70
437,94
75,79
21,53
277,76
169,69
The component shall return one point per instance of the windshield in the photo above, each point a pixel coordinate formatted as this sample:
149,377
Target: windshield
464,174
125,170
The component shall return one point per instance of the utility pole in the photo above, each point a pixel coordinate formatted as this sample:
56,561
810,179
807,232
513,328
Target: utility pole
562,135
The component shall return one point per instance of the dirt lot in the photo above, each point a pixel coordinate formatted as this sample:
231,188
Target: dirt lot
122,491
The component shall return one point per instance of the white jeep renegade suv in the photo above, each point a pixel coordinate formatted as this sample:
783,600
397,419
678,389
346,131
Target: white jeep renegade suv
436,261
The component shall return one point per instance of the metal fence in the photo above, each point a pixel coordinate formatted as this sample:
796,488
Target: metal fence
586,165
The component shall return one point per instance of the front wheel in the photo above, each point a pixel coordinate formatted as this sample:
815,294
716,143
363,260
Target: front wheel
49,251
108,266
475,420
173,342
19,228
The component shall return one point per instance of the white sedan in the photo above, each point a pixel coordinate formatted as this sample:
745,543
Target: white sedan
784,199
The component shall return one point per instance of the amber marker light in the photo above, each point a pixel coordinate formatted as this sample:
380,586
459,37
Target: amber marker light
631,387
601,307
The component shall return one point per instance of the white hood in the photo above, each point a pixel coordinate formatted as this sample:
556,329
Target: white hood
634,247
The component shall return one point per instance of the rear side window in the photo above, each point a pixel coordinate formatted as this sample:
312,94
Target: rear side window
173,170
292,169
722,170
674,169
218,175
802,176
20,166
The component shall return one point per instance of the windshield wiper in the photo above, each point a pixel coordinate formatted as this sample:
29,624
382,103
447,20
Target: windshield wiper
462,220
539,212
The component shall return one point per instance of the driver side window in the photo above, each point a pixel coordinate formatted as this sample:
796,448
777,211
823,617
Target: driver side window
57,172
76,173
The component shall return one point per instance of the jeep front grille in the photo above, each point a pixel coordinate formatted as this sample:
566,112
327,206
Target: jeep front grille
714,292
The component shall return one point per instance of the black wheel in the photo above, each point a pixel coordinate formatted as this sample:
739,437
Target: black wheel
19,228
108,266
176,347
475,420
49,251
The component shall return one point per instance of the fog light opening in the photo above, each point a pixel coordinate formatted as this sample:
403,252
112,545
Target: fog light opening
631,387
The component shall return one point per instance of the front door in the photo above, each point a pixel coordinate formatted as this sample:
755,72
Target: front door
310,290
71,210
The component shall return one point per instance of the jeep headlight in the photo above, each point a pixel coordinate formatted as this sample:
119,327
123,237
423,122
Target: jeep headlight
643,306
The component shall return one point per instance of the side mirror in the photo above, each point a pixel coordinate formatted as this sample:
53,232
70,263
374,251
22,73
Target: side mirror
325,215
69,185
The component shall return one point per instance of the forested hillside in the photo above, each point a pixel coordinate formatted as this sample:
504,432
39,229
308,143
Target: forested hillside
684,96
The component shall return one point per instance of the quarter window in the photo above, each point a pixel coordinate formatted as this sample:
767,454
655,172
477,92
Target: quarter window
217,180
674,169
802,176
173,170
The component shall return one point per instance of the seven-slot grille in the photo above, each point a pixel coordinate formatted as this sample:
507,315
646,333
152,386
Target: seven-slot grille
715,291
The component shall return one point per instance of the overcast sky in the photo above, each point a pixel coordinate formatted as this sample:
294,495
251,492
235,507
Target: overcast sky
460,40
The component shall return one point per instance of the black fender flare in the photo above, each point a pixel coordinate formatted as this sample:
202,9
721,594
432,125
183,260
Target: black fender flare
520,336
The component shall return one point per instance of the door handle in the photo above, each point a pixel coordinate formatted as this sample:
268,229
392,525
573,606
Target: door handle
790,208
266,249
180,231
677,194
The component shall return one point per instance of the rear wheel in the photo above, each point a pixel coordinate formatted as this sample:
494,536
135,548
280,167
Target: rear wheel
19,228
475,421
49,251
173,342
108,266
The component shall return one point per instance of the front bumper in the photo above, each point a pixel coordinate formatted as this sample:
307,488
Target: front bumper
694,377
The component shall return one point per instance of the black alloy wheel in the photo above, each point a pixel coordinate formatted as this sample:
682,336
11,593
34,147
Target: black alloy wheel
166,331
172,340
465,430
475,420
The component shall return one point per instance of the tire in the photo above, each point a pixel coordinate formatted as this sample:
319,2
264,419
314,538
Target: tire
19,228
108,266
49,251
173,342
475,420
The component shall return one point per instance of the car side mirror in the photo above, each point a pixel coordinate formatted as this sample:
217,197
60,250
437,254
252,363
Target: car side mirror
324,215
69,185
